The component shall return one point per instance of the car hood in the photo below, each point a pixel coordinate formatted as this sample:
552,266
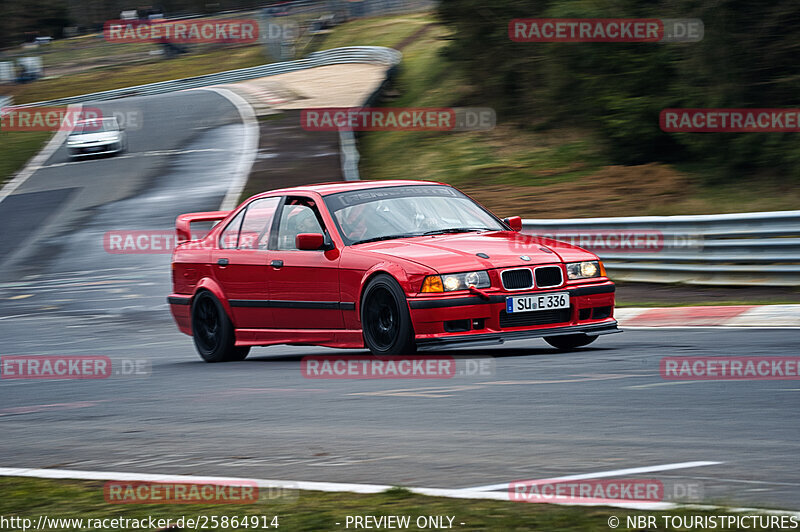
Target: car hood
94,137
458,252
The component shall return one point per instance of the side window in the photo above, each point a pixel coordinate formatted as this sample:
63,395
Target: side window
257,223
298,215
230,236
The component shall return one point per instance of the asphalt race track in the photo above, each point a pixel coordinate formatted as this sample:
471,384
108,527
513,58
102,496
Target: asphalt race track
541,414
61,214
535,414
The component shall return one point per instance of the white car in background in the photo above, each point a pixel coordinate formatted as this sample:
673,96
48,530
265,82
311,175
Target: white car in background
97,136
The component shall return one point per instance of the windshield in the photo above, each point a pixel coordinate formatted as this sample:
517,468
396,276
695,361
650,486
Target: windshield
95,126
397,212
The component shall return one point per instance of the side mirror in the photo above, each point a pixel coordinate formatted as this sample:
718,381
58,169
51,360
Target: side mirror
514,222
309,241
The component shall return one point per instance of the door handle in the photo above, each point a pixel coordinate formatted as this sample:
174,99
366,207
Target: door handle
276,264
222,262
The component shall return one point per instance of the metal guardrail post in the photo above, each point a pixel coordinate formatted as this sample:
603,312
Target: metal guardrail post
347,139
349,155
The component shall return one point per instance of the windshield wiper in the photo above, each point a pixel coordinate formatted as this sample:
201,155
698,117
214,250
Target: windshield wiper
385,237
435,232
455,230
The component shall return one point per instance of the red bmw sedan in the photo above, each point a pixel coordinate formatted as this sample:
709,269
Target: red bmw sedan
394,266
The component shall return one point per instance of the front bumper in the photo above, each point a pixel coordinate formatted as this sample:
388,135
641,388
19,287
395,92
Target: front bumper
607,327
85,150
446,321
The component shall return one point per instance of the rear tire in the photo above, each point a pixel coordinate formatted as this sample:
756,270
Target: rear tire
568,342
385,320
212,331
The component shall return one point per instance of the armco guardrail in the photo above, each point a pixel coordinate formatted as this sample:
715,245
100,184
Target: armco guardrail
350,54
759,248
347,138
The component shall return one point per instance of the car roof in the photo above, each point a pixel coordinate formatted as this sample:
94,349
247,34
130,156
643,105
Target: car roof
326,189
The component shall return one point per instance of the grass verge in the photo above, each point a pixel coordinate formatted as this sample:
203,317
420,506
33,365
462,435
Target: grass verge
17,147
313,511
126,75
390,30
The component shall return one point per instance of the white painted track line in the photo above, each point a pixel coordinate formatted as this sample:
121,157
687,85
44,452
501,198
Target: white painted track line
605,474
150,477
249,146
293,485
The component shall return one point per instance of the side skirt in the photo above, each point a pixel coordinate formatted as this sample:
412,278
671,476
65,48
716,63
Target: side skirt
342,338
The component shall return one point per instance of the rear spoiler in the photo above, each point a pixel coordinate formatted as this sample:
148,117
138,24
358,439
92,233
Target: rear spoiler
184,221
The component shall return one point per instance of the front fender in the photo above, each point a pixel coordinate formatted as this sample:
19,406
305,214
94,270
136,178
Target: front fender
409,281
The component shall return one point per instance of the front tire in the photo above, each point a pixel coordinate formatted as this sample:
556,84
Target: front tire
568,342
240,353
385,320
212,331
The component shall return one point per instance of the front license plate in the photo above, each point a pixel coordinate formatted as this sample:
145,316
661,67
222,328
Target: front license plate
555,300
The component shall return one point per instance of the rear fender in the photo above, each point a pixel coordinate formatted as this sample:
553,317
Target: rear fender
212,286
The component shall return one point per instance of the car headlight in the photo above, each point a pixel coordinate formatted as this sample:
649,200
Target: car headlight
456,281
585,269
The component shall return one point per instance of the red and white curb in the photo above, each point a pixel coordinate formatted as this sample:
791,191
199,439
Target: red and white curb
711,316
248,149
